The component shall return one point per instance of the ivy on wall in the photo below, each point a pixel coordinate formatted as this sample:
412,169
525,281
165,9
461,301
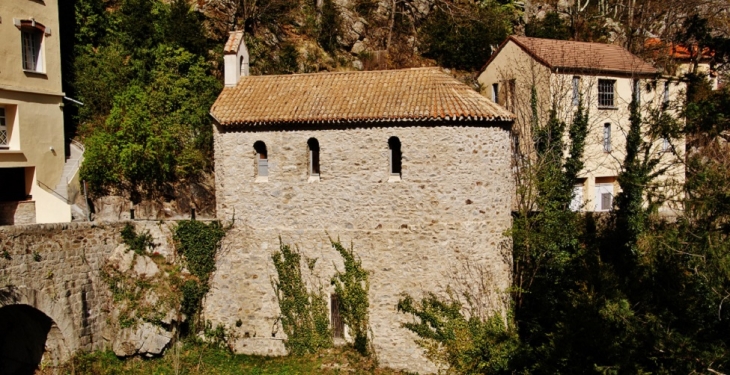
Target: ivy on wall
198,243
352,286
304,316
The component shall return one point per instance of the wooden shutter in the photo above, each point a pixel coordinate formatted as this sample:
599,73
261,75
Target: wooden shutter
338,327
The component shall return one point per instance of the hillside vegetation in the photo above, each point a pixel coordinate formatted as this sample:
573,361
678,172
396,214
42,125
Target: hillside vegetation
627,292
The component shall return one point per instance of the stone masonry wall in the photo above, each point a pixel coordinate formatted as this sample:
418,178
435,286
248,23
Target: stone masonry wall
449,213
56,268
17,212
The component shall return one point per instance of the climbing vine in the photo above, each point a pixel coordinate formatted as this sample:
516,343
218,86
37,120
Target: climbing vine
304,316
352,286
198,243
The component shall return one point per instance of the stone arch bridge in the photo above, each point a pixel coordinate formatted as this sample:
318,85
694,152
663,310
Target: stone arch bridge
53,300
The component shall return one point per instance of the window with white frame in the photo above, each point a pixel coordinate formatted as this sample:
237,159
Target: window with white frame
604,196
576,90
4,136
606,93
32,40
607,137
495,92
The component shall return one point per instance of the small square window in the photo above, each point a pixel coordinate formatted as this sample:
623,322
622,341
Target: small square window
606,93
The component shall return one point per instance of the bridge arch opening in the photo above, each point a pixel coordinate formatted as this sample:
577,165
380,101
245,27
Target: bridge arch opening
28,337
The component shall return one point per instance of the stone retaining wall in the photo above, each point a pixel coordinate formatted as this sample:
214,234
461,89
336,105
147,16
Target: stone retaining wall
17,213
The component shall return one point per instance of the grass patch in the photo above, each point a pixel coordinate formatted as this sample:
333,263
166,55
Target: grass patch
198,359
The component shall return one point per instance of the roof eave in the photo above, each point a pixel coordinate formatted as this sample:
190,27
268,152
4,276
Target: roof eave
595,71
454,120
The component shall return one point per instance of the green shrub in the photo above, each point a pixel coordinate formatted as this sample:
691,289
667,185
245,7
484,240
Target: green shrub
463,342
139,243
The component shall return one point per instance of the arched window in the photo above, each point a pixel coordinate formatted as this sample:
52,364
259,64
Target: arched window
262,158
241,67
313,146
395,156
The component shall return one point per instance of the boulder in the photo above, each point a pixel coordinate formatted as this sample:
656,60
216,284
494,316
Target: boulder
145,339
121,258
145,267
358,47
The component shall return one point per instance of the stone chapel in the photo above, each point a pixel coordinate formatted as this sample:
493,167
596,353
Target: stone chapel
411,167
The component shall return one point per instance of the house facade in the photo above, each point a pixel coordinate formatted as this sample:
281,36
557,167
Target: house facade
410,167
532,77
31,114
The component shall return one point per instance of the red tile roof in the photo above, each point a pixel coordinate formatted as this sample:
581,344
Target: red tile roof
565,55
234,41
677,51
421,94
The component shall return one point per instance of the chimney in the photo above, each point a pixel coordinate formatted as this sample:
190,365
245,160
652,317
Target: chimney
235,59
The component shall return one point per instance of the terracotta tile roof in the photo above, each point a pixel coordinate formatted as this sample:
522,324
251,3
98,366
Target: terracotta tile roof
422,94
677,51
234,40
581,56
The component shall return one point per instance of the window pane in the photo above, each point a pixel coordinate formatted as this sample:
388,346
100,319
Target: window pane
31,49
605,93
